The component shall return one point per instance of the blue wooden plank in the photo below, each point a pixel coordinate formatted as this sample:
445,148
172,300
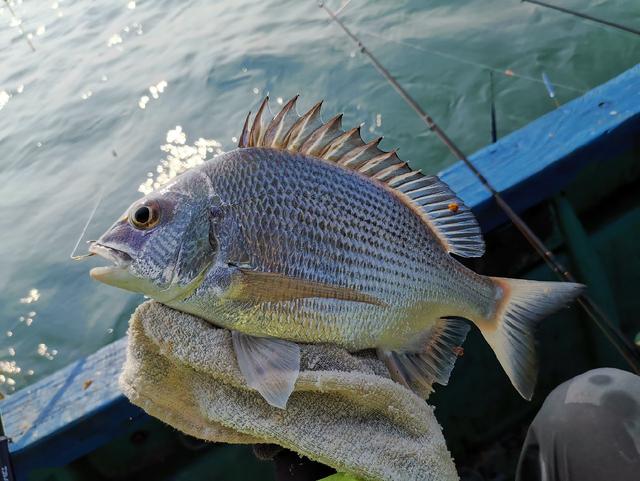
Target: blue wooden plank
538,160
70,413
61,418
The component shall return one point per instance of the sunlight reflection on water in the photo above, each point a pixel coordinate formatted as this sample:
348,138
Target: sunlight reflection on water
180,157
155,91
12,375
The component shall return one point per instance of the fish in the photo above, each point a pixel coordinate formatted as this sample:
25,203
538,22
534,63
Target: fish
306,233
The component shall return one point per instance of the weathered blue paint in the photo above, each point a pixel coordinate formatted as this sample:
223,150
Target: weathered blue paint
62,418
70,413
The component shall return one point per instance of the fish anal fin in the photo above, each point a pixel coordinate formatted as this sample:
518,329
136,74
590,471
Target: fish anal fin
273,287
429,360
269,365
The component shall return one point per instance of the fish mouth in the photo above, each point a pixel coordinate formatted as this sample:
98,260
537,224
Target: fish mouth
120,259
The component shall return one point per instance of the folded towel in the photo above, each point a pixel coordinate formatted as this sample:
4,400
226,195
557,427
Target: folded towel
344,412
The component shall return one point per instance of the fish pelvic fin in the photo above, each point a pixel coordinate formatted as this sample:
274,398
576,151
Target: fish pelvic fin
430,198
511,330
431,360
269,365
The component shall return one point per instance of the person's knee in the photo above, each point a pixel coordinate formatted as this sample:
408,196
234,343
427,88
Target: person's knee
588,426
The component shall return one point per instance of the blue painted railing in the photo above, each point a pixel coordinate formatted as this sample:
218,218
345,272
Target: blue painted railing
80,408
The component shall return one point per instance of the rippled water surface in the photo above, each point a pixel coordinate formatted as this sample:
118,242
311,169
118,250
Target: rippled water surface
119,94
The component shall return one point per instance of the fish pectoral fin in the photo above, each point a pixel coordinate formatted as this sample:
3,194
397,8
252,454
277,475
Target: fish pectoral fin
431,360
272,287
269,365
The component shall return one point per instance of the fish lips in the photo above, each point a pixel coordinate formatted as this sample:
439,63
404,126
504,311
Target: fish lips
114,274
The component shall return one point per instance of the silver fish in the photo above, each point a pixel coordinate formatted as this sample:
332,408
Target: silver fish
306,233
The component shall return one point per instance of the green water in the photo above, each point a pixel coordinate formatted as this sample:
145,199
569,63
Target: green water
72,122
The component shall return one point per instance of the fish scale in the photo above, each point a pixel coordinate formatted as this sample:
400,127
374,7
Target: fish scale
374,244
349,235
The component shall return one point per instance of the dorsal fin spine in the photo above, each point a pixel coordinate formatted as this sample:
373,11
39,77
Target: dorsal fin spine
244,136
378,163
386,174
424,181
360,155
277,129
400,180
341,144
257,129
321,137
427,192
303,128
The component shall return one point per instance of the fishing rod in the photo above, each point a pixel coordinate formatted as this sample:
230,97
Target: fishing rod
615,337
585,16
19,25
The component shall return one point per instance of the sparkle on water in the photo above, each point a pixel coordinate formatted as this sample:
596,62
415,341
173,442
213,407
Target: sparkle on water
116,39
155,91
89,109
180,157
11,367
4,98
32,296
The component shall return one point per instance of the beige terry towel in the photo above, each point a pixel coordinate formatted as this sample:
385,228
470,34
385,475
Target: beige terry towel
344,412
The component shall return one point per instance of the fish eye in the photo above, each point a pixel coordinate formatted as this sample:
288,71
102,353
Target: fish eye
144,216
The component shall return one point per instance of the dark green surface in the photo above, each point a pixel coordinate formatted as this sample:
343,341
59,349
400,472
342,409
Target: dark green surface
158,452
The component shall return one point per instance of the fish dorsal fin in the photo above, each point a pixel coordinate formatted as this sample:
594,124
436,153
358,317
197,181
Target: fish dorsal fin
446,215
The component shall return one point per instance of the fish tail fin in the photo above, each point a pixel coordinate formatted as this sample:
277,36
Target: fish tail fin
510,331
430,358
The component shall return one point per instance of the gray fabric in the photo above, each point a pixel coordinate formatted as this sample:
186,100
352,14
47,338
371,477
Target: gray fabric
588,429
344,412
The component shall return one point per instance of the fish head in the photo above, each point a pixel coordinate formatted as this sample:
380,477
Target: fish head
161,245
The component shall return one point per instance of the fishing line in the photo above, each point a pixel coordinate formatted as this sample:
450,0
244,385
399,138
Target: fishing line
93,212
492,100
344,5
504,72
614,336
19,25
601,21
84,230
